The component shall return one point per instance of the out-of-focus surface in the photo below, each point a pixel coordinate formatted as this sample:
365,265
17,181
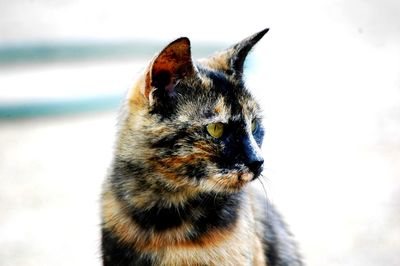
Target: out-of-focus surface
328,78
51,172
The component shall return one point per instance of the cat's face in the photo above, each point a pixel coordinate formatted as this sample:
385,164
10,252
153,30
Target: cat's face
195,126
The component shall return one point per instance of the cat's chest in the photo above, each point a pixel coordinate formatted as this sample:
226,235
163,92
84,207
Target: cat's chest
235,250
234,254
240,247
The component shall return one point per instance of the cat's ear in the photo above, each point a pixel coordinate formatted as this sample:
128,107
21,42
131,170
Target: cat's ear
173,63
231,61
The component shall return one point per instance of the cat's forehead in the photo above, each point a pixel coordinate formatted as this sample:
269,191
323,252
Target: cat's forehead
217,97
216,80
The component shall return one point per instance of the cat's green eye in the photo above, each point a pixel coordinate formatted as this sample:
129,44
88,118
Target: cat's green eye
215,129
254,125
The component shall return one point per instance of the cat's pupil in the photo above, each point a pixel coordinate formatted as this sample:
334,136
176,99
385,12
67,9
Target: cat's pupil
215,129
253,126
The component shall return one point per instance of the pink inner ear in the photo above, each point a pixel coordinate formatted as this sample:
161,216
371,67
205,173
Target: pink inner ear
163,79
170,87
174,62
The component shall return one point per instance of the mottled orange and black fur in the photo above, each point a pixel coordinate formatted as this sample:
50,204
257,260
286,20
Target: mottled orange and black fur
175,194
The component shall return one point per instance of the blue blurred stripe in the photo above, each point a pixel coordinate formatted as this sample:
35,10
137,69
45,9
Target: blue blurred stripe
59,107
23,53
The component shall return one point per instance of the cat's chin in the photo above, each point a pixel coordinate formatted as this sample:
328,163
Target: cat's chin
229,183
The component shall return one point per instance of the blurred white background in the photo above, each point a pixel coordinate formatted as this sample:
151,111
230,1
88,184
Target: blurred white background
327,75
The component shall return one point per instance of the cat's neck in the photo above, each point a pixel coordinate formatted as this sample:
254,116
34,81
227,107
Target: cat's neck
152,205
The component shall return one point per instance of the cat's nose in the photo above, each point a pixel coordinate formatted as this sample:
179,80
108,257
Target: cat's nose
256,166
252,156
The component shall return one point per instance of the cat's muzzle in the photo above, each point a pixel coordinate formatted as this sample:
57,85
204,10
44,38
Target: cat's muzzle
256,167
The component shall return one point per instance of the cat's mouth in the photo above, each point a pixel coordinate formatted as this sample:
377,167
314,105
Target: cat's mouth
234,180
245,178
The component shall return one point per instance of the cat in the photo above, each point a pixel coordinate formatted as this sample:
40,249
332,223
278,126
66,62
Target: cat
180,190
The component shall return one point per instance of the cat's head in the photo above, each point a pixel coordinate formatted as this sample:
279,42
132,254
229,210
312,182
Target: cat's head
194,125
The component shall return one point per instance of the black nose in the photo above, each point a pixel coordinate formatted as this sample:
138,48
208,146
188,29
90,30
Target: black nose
256,166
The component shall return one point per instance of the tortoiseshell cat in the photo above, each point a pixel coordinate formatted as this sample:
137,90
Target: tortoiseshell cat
188,146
